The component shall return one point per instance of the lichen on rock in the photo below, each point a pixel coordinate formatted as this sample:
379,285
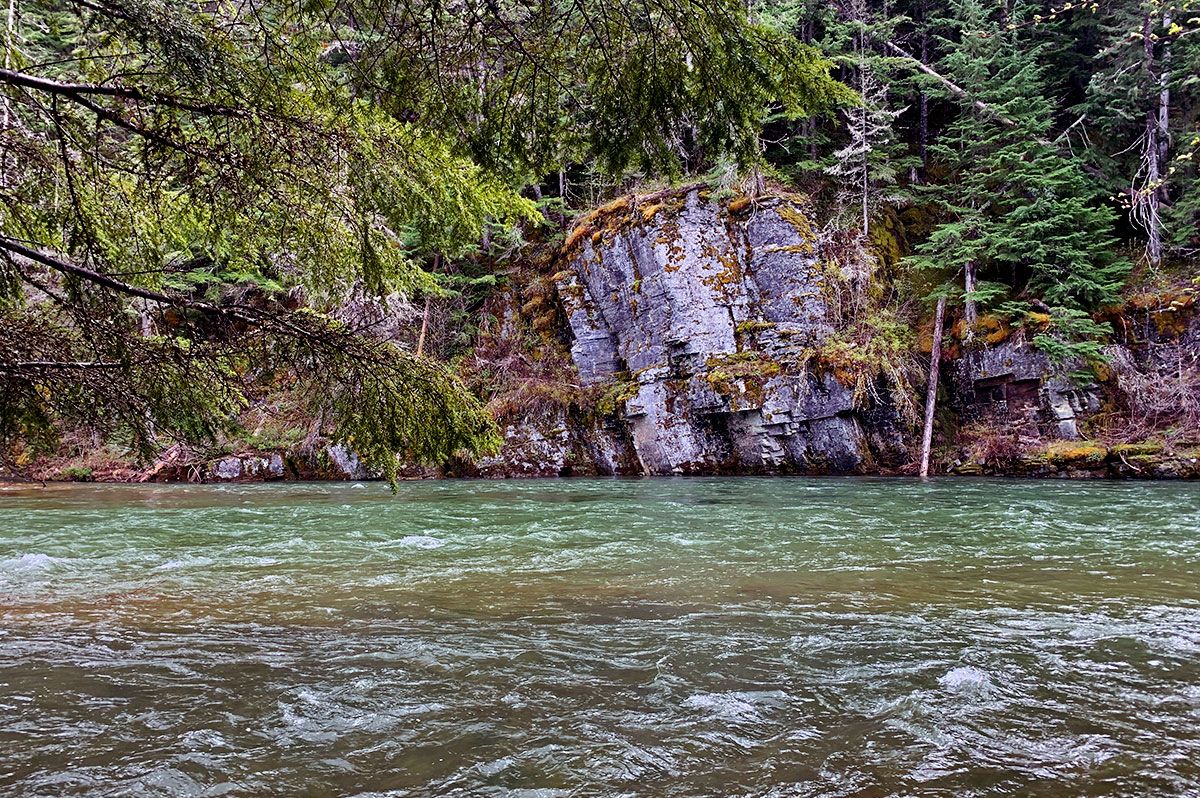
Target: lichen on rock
728,307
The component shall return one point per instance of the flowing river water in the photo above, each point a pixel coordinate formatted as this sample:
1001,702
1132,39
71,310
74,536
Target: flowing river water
688,637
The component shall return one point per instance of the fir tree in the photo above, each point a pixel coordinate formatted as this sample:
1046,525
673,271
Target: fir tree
1021,211
870,162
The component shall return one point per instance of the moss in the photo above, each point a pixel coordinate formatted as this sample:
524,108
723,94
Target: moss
616,206
610,217
741,374
1037,321
649,211
576,235
993,330
610,398
887,238
1076,454
798,221
801,249
740,204
754,325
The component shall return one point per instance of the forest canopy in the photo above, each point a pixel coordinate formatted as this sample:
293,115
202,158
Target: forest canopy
193,193
189,187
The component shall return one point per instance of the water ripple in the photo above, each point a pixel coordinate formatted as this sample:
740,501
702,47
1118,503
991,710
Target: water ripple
649,638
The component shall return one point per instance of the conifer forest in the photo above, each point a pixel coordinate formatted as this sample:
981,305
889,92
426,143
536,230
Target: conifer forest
278,226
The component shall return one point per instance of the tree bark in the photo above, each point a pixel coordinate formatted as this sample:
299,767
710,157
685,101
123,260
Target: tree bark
562,195
866,174
1164,104
9,29
1150,215
425,319
935,364
969,308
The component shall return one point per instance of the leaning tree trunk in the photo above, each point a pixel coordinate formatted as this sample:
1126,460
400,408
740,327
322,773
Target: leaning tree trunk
437,259
935,362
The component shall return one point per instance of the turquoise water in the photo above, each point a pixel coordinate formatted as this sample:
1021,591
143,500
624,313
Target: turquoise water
699,637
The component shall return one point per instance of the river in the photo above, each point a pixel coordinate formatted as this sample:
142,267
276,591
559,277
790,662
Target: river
661,637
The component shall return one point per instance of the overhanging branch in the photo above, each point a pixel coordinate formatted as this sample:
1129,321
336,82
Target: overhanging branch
989,110
78,90
99,278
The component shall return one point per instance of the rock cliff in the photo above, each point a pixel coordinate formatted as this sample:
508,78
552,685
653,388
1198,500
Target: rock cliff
676,334
710,322
712,317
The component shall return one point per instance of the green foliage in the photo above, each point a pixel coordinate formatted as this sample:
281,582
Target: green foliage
1015,204
182,179
1069,336
77,473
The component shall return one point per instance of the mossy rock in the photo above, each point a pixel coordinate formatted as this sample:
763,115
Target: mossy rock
1076,455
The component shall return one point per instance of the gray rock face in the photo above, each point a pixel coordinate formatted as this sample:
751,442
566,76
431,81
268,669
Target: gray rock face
712,318
247,467
555,445
1014,383
532,450
347,462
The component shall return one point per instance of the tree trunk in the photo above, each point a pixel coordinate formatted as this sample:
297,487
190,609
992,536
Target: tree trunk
935,364
969,311
1164,104
9,28
758,184
861,46
425,319
866,174
1150,216
424,327
562,195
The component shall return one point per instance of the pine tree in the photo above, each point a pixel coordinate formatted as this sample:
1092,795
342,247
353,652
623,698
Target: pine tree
869,164
164,161
1022,211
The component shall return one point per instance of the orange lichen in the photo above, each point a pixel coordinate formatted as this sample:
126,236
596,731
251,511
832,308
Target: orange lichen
576,235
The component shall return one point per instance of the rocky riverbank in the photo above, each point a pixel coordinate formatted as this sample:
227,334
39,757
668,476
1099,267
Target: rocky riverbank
739,337
678,333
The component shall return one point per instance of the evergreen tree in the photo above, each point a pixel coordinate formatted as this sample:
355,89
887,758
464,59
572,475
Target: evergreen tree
1021,210
177,174
870,162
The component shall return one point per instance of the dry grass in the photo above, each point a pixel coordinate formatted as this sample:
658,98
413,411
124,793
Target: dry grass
1157,399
